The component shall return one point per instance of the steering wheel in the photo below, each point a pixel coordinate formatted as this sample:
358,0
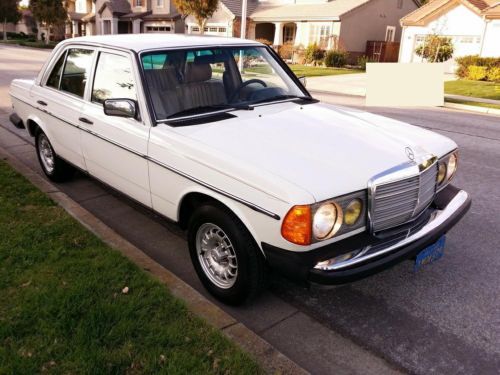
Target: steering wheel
243,85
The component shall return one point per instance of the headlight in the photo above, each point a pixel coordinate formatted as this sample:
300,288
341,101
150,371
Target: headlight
353,211
441,173
306,224
447,167
452,166
327,221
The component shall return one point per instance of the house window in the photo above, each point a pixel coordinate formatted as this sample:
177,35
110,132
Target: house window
320,34
159,3
400,4
138,3
195,29
222,29
289,33
390,33
81,6
213,29
205,29
158,29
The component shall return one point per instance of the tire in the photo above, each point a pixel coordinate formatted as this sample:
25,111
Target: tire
223,227
55,168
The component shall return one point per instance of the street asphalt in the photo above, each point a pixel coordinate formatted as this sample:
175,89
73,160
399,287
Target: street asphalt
443,319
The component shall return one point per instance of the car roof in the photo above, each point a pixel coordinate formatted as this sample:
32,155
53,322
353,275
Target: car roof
142,42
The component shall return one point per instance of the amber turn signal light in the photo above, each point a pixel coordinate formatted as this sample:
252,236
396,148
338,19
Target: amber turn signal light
296,226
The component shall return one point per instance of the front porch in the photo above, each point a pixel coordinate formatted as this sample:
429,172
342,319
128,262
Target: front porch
300,34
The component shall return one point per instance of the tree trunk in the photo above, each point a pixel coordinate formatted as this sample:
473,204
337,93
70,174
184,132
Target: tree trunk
201,24
5,29
47,36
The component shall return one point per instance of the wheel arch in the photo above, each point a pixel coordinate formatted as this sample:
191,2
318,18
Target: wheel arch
196,197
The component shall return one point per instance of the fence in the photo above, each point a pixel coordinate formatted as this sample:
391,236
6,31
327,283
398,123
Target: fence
380,51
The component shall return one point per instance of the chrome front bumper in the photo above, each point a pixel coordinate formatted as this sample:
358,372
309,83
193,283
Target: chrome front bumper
435,221
364,254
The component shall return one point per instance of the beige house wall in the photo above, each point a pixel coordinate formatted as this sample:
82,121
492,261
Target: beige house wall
370,21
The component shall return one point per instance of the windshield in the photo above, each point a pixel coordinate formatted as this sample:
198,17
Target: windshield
196,81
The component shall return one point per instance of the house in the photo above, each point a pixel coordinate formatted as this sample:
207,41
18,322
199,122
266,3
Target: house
91,17
473,26
346,24
25,25
226,21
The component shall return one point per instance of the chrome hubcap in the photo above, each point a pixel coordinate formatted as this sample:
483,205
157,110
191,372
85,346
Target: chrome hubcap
216,255
46,153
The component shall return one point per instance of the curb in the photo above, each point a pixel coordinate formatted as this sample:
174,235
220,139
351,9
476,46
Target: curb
472,108
269,358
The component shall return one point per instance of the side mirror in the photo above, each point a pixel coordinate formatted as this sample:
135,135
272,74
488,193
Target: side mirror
303,80
120,107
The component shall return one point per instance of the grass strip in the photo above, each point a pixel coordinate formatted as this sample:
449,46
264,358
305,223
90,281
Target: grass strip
476,89
475,104
71,304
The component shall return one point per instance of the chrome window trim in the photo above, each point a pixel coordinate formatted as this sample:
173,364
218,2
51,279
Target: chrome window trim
246,203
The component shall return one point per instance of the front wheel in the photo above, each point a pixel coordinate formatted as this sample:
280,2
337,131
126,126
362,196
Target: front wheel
55,168
225,256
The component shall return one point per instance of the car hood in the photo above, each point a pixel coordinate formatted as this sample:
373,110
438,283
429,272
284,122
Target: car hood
325,150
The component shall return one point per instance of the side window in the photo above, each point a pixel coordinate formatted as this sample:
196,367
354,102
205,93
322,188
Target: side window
76,71
55,75
113,78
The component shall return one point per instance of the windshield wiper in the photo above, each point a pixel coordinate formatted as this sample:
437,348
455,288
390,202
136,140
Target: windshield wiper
206,109
284,97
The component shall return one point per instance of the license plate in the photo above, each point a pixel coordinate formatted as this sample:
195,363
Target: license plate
430,254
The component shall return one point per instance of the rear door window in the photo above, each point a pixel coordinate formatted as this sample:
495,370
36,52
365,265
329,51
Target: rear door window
55,75
76,71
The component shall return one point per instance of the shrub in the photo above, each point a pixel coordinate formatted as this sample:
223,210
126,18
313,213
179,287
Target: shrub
435,48
493,74
362,60
314,54
286,51
465,62
336,58
477,73
264,41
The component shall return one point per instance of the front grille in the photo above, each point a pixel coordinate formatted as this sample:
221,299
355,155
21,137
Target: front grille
397,202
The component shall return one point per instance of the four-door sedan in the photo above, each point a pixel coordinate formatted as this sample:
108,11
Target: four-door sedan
218,135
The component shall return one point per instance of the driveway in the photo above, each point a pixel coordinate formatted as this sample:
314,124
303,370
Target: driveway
445,319
346,84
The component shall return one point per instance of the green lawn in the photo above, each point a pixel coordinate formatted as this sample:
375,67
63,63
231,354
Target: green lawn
316,71
477,104
477,89
63,310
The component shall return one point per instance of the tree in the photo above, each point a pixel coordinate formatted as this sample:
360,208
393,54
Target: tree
9,12
201,10
50,13
435,48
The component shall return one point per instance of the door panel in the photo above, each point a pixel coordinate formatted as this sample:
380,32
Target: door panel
60,100
115,148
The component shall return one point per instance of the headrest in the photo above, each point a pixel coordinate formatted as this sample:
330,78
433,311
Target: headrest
197,72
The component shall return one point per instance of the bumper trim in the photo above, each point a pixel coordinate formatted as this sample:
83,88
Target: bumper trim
437,218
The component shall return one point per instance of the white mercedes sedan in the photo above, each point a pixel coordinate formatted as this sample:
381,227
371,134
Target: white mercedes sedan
218,135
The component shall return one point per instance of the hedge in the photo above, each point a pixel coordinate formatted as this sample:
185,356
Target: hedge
470,67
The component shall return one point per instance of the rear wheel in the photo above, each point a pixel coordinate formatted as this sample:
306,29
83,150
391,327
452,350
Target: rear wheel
55,168
225,256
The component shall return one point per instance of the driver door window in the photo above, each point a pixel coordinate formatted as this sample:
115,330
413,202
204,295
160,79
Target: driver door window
113,79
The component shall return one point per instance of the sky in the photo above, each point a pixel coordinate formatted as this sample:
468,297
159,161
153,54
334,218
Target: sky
24,2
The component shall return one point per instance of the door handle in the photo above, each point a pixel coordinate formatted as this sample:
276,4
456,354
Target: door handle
85,120
41,102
